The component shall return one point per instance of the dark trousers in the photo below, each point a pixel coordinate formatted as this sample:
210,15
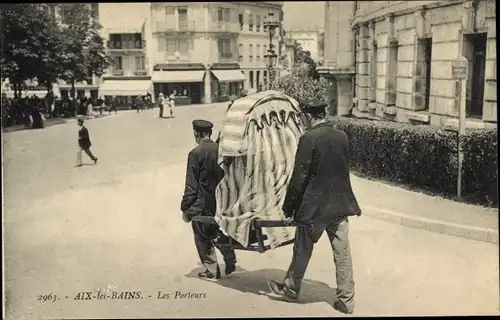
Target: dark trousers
338,234
161,111
87,151
203,235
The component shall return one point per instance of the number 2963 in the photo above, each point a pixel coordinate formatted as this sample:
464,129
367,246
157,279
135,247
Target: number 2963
47,297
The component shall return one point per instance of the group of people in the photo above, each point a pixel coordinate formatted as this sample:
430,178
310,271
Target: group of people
168,101
32,110
319,197
142,102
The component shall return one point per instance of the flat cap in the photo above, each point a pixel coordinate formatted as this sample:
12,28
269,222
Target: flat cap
202,125
80,120
314,106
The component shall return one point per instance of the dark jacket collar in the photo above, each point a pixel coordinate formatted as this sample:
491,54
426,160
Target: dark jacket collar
319,125
206,140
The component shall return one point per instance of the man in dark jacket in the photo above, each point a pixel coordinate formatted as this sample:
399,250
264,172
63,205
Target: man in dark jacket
203,174
320,197
84,143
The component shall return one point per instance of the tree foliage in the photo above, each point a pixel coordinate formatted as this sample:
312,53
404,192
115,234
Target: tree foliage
36,45
303,59
28,34
301,86
82,47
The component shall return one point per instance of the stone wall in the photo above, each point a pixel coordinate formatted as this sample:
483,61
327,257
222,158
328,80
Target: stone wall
446,23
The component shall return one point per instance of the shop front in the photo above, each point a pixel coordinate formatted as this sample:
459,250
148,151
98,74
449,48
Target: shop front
227,84
82,89
125,92
187,85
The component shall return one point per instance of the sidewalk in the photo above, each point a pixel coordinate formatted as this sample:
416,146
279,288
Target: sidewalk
53,121
433,213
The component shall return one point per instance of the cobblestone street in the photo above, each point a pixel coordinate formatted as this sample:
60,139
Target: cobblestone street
117,225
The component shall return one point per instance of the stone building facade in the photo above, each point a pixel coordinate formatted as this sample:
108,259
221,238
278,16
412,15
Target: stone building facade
210,50
393,60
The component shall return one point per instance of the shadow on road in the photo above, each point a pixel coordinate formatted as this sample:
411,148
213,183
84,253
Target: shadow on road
255,282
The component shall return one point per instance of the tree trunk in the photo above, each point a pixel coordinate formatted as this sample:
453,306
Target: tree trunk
73,91
17,90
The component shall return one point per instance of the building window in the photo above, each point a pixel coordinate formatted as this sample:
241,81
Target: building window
264,49
170,12
392,81
257,56
373,72
128,41
257,23
140,63
251,79
258,80
225,48
250,53
117,63
171,46
423,74
240,52
183,46
183,18
240,20
264,75
224,15
250,22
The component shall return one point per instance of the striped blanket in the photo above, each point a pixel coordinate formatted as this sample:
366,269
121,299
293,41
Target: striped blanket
260,134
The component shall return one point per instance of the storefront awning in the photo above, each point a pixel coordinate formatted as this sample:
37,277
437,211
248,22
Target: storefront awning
125,87
229,75
178,76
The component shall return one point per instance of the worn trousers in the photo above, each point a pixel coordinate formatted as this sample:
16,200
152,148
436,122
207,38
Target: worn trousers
87,151
338,234
203,235
161,111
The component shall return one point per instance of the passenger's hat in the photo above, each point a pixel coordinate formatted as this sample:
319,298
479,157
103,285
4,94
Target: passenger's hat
80,120
314,107
202,125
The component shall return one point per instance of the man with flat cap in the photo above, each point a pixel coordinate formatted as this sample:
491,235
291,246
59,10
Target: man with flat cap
320,197
203,174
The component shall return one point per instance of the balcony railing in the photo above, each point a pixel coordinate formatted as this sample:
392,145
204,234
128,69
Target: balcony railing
126,45
140,72
117,72
231,27
174,26
172,58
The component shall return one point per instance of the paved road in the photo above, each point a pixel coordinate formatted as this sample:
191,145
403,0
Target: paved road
116,226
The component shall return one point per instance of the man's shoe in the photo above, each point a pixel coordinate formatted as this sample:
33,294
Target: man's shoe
230,269
281,290
95,160
340,307
79,164
209,275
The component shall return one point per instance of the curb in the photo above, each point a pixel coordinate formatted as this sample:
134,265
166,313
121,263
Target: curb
438,226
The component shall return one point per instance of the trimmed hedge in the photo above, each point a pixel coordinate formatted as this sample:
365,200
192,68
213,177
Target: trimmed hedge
424,157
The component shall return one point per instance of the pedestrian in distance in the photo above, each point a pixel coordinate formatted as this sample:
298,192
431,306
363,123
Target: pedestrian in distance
320,198
161,103
171,103
84,143
203,174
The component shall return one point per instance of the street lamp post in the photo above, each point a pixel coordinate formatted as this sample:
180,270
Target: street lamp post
271,24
